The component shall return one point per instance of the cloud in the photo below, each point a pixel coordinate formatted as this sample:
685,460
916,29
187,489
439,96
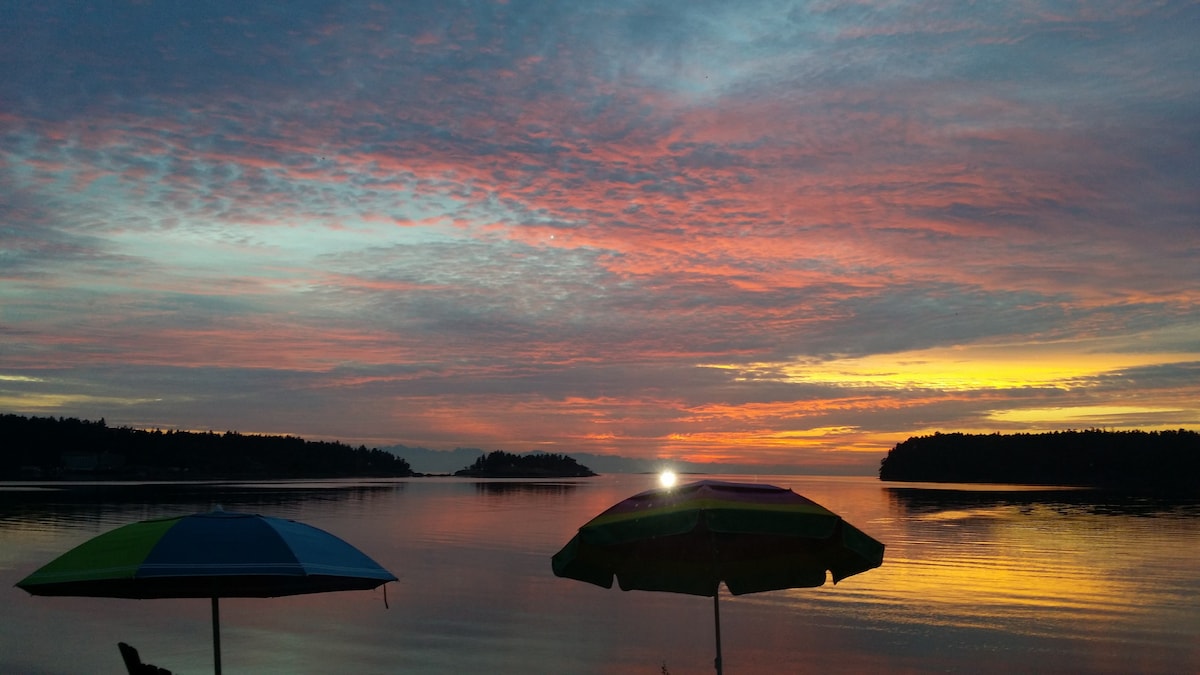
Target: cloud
621,228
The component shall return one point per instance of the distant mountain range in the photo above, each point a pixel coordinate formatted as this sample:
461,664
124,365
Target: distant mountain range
49,448
425,460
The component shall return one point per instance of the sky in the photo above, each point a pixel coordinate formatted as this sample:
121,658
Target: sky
762,232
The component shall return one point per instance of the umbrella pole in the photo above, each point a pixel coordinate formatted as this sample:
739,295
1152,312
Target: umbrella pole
216,616
717,624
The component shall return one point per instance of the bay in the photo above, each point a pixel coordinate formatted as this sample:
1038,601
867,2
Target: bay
996,580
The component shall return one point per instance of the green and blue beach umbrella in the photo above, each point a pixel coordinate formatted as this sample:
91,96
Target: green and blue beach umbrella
208,555
692,538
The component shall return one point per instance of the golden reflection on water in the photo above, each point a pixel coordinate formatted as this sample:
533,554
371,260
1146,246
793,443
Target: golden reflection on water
1049,565
1029,567
998,580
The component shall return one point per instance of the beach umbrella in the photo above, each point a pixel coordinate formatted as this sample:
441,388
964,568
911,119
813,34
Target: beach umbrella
208,555
691,538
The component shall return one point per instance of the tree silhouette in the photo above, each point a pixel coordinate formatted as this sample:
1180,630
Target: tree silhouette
1093,457
68,448
500,464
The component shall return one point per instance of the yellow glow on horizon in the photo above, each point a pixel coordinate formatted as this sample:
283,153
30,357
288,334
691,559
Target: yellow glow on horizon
19,378
1083,413
1065,365
667,479
58,401
816,432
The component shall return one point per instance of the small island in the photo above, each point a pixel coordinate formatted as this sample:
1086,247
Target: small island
500,464
1155,460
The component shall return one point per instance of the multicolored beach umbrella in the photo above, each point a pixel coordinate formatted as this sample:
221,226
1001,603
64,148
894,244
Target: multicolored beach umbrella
691,538
208,555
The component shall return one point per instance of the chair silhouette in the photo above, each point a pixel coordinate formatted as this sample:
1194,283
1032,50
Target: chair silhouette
133,662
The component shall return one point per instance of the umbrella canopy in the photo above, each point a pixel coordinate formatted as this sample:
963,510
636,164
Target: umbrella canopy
208,555
691,538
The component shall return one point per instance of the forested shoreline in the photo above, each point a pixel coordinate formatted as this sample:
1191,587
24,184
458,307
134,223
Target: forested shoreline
48,448
1111,459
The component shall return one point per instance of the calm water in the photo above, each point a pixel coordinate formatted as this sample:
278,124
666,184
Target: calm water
973,581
